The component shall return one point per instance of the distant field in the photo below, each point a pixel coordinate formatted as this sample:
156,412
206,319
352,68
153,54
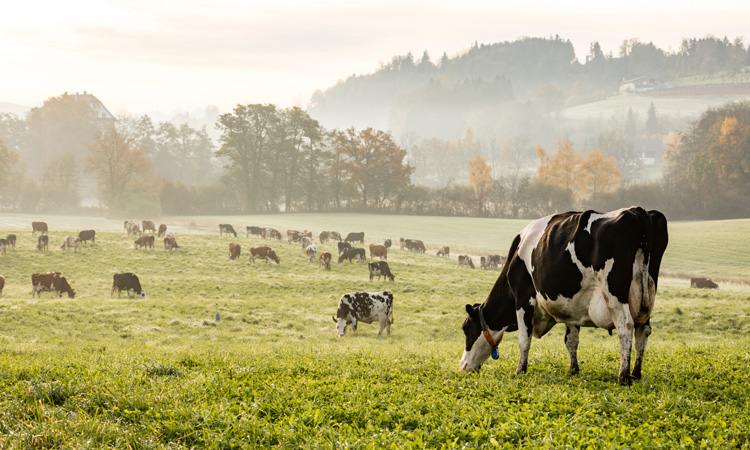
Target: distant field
100,371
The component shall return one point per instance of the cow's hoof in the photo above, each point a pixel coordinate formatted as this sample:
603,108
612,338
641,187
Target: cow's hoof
636,375
573,371
625,381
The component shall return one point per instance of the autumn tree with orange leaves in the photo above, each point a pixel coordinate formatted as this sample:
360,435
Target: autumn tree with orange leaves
480,180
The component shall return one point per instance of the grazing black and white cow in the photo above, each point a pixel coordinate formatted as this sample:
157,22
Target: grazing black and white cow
43,243
387,243
343,247
583,269
353,253
127,282
380,269
364,307
226,228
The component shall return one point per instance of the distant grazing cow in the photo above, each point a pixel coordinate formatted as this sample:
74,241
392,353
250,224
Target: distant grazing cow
3,244
38,226
293,236
87,235
134,229
576,268
2,284
493,261
364,307
226,228
703,283
482,262
50,282
171,234
43,243
445,252
126,225
325,260
266,253
127,282
162,230
73,242
354,253
379,251
343,246
356,237
147,240
11,241
308,233
387,243
306,241
272,233
413,245
255,231
311,251
335,235
148,226
324,236
170,243
234,250
465,261
380,268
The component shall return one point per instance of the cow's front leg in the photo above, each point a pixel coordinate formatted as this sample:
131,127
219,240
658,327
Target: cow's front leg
382,326
571,343
354,327
642,332
525,327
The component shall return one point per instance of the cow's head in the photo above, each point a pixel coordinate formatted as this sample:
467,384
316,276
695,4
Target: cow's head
71,293
341,324
142,294
477,349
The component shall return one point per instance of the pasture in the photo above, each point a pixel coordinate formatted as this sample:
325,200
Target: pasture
101,371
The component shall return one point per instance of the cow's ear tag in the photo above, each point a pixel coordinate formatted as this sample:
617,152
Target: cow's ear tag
495,353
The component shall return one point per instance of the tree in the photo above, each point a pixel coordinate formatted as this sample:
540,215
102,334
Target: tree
61,182
599,175
480,180
373,163
8,167
245,139
652,123
124,174
564,167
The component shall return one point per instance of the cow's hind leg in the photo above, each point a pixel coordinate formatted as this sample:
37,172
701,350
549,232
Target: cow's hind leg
624,324
571,343
642,332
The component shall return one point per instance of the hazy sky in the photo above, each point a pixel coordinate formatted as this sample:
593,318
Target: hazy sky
142,56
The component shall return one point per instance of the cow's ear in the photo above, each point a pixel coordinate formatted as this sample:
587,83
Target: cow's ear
334,320
469,309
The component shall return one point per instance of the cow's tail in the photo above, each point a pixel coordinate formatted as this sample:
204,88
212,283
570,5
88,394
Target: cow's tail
391,317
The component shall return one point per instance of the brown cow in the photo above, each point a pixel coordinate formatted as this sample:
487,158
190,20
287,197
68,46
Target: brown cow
38,226
50,282
325,260
293,236
324,236
266,253
335,235
445,252
308,233
11,241
134,229
145,241
162,230
234,250
703,283
148,226
379,251
170,244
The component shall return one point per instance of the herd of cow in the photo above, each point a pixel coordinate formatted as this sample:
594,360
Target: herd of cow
585,269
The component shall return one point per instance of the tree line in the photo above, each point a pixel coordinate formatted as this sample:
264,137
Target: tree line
270,159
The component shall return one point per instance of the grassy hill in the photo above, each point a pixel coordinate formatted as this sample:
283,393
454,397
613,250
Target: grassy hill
160,372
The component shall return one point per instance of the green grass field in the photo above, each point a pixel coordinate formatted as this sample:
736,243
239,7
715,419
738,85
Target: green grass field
159,372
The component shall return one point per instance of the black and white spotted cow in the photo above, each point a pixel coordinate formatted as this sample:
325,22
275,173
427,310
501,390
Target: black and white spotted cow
364,307
583,269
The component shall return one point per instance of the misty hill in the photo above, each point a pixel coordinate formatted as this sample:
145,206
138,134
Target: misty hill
511,87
